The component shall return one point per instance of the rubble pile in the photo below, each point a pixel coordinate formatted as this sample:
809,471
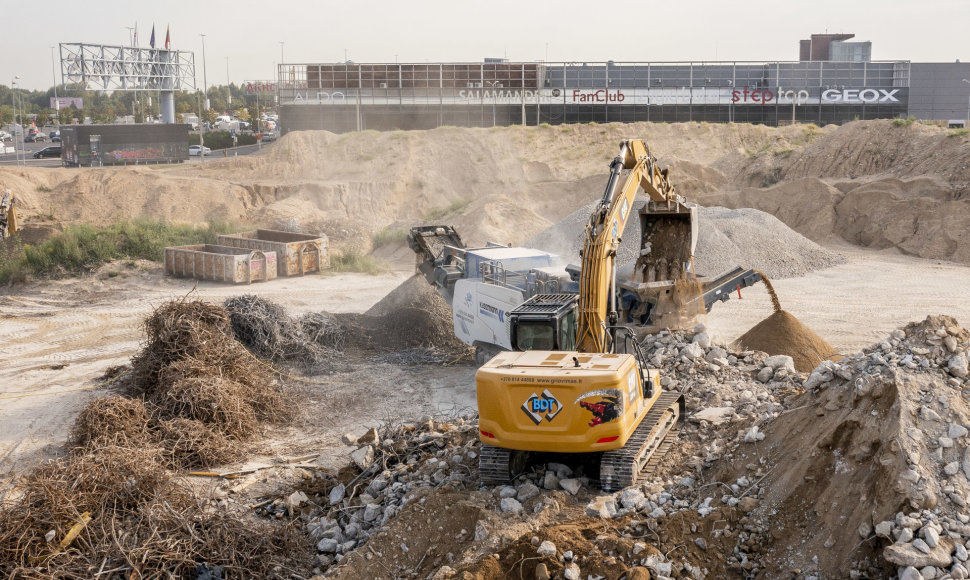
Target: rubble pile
875,455
389,466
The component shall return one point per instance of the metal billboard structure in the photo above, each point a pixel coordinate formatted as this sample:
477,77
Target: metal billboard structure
102,67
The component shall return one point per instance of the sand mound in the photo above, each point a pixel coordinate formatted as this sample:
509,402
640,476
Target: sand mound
877,438
520,180
726,238
782,333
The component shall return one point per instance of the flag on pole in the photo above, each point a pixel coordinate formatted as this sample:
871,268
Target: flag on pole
168,39
134,40
151,41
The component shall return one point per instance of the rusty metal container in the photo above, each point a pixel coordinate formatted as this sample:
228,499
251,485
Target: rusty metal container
220,263
297,254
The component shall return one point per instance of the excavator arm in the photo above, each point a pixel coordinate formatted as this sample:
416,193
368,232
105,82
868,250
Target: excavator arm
597,281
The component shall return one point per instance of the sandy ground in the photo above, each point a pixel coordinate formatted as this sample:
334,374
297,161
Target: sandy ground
59,337
857,303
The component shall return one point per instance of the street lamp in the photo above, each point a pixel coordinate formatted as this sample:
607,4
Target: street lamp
205,83
57,104
13,101
968,103
493,85
229,98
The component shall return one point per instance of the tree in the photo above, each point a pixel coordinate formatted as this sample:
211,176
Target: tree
66,115
6,114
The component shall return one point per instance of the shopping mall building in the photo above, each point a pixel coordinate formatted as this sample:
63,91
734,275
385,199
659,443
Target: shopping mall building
834,81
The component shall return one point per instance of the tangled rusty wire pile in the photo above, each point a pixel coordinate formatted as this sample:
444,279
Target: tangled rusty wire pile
111,506
266,329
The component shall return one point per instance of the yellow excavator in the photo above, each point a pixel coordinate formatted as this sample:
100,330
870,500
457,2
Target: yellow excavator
598,396
8,216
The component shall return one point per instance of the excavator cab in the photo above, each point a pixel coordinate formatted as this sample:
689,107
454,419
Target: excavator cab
544,322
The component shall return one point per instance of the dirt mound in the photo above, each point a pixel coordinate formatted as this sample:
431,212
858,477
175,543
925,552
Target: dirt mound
413,315
872,449
782,333
521,180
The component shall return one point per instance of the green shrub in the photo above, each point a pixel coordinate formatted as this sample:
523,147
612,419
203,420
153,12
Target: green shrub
354,261
83,248
959,132
222,139
388,236
904,122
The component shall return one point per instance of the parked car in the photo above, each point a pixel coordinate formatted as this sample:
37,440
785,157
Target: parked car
197,149
55,136
4,137
35,138
269,136
49,151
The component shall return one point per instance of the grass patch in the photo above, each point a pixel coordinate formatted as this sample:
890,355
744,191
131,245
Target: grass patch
387,236
83,248
904,122
456,206
958,132
44,189
354,261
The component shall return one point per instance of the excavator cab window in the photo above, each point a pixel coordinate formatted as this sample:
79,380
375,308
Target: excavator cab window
567,331
534,336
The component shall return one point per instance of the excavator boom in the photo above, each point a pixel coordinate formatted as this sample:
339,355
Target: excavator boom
597,282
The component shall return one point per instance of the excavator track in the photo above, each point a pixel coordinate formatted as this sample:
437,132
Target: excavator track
622,467
498,466
494,464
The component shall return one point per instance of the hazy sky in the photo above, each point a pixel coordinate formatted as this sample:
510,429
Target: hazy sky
420,31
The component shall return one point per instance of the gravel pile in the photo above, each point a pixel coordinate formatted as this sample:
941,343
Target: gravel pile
727,238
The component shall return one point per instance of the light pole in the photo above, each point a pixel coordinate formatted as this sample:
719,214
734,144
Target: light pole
229,98
279,71
205,83
57,104
968,103
493,85
13,101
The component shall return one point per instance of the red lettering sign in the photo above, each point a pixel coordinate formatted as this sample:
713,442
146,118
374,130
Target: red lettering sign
763,96
598,96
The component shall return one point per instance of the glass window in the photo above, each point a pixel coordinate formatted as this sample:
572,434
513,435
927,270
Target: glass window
534,337
567,331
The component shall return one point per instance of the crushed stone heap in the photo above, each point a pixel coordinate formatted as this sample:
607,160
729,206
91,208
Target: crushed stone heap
870,466
726,238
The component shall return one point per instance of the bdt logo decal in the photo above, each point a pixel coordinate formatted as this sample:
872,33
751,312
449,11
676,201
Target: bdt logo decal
542,406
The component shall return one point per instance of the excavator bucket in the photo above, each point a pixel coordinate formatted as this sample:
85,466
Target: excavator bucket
663,278
669,238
